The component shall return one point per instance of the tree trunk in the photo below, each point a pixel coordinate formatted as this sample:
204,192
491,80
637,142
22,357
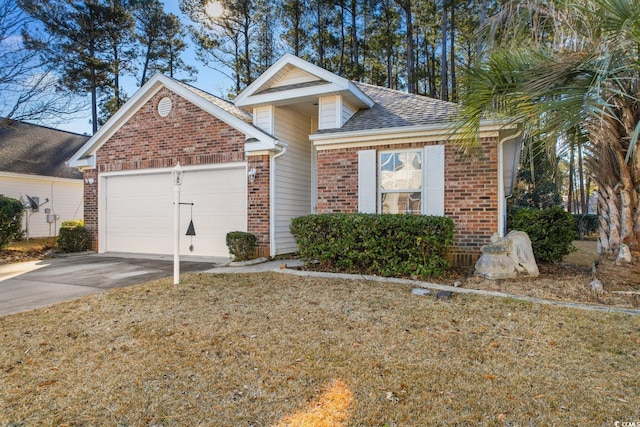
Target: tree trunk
452,41
444,84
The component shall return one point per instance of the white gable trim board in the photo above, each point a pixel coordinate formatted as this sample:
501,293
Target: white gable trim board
135,209
85,156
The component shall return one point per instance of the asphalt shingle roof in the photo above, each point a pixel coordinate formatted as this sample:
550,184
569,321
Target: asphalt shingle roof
395,109
37,150
227,106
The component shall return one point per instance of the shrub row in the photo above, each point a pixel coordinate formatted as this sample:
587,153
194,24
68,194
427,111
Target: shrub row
551,231
386,245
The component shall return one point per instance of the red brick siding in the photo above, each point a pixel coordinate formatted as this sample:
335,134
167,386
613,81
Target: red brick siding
471,197
258,204
91,206
188,135
338,180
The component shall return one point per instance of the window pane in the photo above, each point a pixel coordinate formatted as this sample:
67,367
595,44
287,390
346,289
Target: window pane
402,203
401,171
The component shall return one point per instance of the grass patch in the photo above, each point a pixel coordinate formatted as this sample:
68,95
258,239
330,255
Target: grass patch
272,349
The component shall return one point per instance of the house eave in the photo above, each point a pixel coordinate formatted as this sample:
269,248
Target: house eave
144,94
39,177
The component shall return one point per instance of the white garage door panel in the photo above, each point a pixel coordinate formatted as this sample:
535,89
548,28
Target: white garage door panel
139,211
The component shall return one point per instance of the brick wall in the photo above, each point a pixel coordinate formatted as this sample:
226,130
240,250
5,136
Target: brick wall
258,204
471,191
91,206
187,135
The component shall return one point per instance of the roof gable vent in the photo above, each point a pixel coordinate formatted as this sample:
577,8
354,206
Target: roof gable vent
164,106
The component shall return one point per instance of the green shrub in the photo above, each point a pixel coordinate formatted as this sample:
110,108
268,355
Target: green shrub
73,237
586,224
386,245
551,232
241,245
11,211
70,223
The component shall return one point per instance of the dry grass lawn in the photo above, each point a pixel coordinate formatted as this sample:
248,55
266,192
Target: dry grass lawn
278,350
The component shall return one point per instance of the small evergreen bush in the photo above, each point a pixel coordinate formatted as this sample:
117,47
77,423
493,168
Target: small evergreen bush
586,224
386,245
73,236
11,211
551,231
241,245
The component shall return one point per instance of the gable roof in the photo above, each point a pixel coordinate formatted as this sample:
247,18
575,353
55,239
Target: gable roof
30,149
396,109
219,108
291,79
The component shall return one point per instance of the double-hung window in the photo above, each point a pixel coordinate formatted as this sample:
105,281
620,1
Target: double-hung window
400,182
409,181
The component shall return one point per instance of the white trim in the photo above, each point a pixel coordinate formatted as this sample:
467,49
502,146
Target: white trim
378,169
273,247
382,136
39,177
502,200
249,96
102,191
143,95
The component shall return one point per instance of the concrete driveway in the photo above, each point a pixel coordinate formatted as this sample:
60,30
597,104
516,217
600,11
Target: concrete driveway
28,285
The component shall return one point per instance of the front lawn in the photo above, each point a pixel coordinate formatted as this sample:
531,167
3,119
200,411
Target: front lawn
273,349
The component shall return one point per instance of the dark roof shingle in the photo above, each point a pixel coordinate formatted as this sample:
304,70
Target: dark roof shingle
395,109
37,150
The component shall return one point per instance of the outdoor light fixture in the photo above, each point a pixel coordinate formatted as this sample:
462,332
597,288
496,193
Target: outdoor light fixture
252,174
176,173
90,181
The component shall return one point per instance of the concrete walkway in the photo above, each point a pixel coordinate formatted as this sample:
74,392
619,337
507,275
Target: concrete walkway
288,267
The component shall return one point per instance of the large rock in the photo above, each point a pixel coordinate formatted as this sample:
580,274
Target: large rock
495,263
505,257
522,254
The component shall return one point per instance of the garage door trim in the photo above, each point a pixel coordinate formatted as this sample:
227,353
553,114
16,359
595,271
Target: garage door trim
102,189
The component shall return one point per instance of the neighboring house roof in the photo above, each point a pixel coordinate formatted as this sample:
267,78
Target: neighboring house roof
38,150
395,109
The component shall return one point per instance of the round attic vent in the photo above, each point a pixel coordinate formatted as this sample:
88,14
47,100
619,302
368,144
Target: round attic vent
164,107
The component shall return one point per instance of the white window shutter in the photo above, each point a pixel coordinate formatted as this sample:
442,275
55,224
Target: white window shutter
434,180
367,187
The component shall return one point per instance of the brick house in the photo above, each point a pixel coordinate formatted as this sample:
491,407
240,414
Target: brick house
298,140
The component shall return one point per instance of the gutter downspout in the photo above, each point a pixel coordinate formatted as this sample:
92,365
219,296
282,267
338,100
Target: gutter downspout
272,197
502,196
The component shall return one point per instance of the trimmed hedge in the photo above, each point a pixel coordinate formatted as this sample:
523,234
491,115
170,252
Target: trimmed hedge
387,245
551,231
73,236
11,211
241,245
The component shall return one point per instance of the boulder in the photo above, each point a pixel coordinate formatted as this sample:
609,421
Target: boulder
505,257
522,254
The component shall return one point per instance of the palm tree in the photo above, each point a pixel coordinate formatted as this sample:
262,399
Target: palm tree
569,72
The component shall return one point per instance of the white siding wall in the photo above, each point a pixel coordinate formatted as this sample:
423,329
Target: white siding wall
263,118
348,110
296,76
293,175
328,110
65,200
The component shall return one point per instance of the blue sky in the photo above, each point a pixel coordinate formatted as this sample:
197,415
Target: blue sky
207,79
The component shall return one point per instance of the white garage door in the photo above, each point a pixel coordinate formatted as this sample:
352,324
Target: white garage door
138,211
